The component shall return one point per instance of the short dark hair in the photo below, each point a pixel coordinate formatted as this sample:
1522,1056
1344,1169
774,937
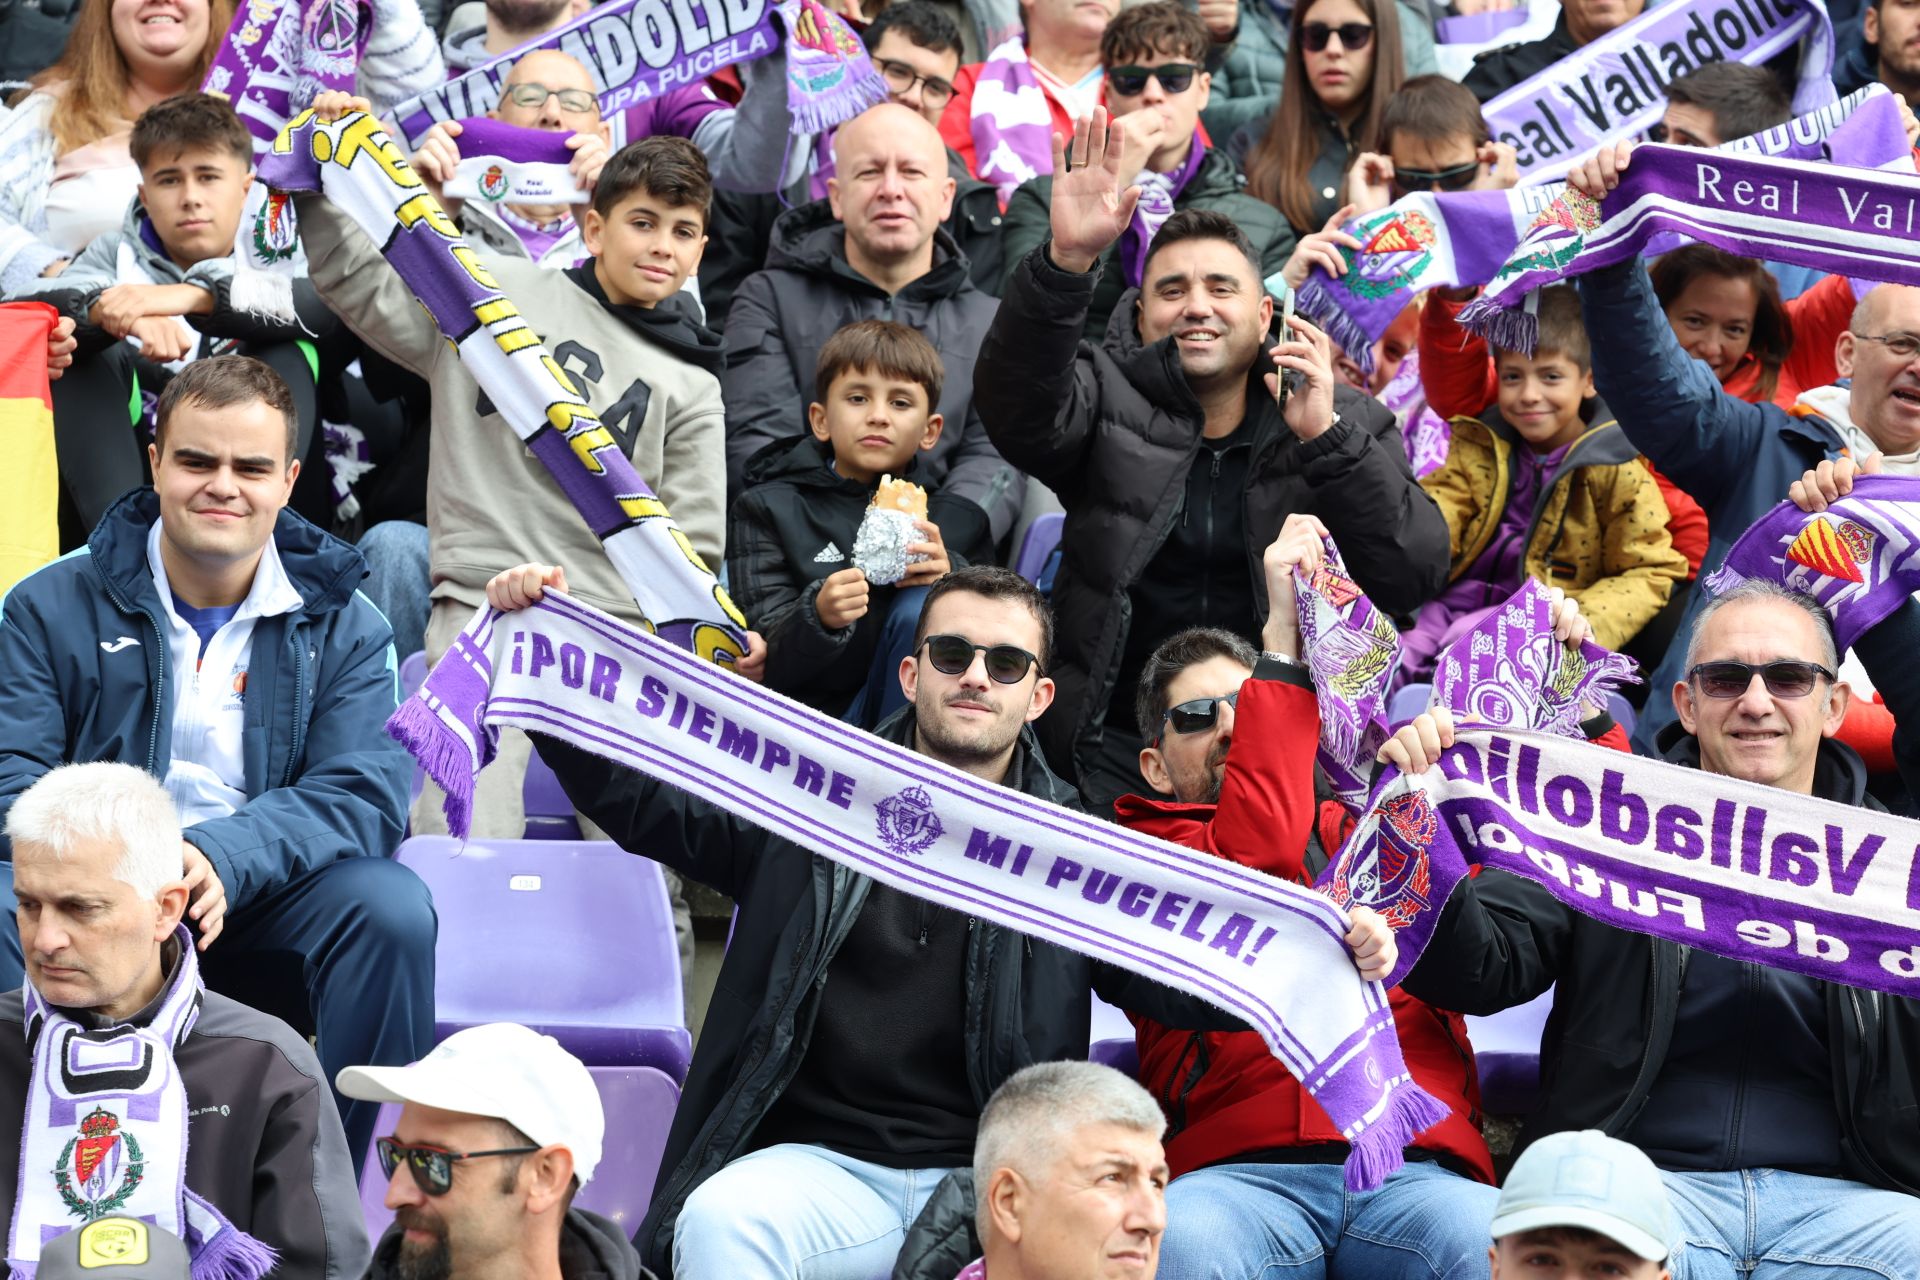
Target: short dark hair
1432,109
511,1136
995,583
189,122
885,347
1158,27
1742,99
1561,328
1175,654
1204,224
1771,339
221,382
669,169
921,22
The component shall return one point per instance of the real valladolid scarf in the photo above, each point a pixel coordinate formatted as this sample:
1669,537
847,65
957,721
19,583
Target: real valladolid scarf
279,54
106,1133
1012,126
506,164
1351,651
1466,238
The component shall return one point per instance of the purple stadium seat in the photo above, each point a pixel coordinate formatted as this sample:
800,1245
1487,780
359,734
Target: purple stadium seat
573,938
1407,702
1043,535
1112,1039
550,814
1507,1048
413,673
639,1103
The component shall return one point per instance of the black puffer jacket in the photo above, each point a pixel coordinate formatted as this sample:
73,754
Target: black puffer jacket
1503,940
782,316
1114,431
1026,999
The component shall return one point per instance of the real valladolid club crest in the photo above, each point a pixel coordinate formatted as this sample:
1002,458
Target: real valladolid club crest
907,822
274,235
1393,252
493,183
1389,873
105,1163
1836,551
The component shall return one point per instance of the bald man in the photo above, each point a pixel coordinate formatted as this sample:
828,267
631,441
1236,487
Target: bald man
873,249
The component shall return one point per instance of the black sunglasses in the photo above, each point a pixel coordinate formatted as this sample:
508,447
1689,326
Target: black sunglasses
432,1168
1131,82
1785,679
1198,715
1354,36
1457,178
952,655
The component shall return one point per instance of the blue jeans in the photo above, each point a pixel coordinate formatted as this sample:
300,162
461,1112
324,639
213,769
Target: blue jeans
792,1212
398,582
1275,1221
1773,1225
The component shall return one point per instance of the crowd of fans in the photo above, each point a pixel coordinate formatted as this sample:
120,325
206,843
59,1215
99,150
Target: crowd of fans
1092,337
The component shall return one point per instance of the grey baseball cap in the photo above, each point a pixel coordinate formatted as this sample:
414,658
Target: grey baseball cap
1585,1179
116,1249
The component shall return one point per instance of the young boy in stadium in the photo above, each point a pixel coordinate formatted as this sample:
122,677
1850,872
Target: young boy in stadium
1578,1203
1543,484
835,637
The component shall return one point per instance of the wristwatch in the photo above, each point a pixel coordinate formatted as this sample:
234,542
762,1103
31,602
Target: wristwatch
1283,658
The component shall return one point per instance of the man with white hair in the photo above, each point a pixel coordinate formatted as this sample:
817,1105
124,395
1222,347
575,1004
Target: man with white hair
1070,1182
500,1128
138,1091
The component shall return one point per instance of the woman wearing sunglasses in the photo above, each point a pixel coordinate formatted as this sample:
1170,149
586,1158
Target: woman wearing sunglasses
1343,65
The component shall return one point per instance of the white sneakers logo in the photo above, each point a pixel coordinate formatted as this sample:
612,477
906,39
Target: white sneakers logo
115,646
829,554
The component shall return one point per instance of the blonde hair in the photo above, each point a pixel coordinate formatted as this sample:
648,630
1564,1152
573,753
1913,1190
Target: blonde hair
91,76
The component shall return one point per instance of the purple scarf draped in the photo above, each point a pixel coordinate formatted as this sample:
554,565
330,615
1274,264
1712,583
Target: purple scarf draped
1012,125
278,56
1159,192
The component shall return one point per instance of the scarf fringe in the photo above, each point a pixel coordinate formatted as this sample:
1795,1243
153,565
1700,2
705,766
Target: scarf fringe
263,294
1379,1150
444,757
234,1255
1517,329
1316,302
817,112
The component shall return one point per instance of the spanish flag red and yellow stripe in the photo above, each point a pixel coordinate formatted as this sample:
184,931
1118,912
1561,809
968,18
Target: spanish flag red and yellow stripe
29,516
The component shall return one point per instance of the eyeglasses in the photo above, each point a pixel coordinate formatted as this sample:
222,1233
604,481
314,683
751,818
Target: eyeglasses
1131,82
1904,346
953,655
432,1168
1354,36
529,94
1198,715
901,78
1785,679
1457,178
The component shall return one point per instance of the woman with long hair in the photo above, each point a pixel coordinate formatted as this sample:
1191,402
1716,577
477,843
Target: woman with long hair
1343,64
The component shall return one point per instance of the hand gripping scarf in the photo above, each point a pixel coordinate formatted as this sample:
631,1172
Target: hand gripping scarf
1012,126
278,54
106,1133
635,50
1742,870
1426,240
503,163
1616,86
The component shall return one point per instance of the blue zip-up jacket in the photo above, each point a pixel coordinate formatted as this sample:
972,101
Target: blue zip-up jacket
323,779
1735,459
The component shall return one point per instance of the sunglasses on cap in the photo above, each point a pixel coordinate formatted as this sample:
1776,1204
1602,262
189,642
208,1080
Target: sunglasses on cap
1457,178
1198,714
1131,82
432,1168
1354,36
1784,679
953,655
529,94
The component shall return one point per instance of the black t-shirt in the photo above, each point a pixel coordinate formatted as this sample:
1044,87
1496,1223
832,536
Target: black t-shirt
884,1076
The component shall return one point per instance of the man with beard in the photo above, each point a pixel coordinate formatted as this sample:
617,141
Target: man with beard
1892,47
479,32
856,1032
1166,446
499,1129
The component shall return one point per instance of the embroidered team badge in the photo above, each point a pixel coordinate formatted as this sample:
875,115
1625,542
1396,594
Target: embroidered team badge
1395,250
1389,871
907,823
104,1161
493,183
1835,552
274,234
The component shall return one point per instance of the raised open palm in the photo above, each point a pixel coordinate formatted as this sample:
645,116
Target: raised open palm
1091,205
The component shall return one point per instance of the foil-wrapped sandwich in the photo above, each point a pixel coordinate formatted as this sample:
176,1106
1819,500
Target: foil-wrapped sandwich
886,531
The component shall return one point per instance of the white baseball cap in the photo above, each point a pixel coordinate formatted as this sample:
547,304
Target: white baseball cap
503,1071
1585,1179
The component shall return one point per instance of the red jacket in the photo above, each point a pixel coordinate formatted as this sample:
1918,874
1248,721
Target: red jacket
1224,1093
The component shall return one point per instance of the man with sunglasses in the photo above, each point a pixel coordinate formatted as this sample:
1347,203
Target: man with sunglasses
1154,55
856,1032
499,1128
1231,735
1784,1111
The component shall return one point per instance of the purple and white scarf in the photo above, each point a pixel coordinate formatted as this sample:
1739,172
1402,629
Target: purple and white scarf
1012,125
504,163
1425,433
1472,237
279,54
1158,192
105,1133
635,50
1860,557
1510,672
1352,650
1615,86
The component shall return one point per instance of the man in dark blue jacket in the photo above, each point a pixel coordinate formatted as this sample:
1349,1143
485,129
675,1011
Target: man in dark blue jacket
216,639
